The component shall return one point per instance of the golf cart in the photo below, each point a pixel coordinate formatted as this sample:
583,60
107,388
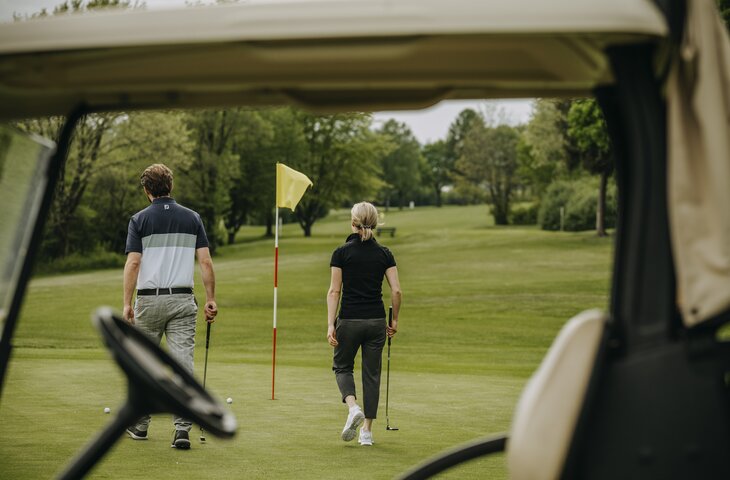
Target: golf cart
638,392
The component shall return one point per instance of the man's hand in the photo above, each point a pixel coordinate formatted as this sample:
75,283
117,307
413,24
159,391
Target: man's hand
332,335
211,310
128,314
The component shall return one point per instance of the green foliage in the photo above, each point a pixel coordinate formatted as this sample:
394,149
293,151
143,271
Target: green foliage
93,141
400,164
341,158
458,131
524,214
587,128
207,180
489,159
255,143
724,7
579,198
542,151
96,259
438,169
115,194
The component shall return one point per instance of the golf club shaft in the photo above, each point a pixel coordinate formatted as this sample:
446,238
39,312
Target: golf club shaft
387,375
205,363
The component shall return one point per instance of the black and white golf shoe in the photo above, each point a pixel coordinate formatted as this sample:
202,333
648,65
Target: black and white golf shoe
137,434
181,440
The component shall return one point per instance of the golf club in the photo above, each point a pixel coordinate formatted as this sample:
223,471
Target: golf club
387,376
205,370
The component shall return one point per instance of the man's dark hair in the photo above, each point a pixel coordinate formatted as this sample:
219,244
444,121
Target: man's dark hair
157,179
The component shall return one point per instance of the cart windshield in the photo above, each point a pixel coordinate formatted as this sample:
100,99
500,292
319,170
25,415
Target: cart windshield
23,164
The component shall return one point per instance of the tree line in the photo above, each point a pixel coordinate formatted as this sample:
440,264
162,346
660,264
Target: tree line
224,163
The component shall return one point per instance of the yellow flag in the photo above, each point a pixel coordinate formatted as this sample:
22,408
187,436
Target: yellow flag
290,186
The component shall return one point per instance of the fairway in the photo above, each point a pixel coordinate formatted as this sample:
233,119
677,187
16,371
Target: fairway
481,305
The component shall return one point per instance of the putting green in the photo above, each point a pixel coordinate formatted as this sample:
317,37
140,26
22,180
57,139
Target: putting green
481,306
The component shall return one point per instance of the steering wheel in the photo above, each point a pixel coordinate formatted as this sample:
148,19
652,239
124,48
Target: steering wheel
157,384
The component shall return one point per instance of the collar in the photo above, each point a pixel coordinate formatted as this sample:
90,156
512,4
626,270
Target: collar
356,236
157,200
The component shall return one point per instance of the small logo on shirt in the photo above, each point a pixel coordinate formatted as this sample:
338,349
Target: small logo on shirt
167,207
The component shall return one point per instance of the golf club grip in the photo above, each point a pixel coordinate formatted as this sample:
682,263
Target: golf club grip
207,335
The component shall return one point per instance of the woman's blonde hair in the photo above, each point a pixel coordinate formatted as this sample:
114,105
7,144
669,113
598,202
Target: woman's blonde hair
365,218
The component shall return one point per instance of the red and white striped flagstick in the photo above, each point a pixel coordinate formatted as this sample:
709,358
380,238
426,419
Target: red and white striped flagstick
276,286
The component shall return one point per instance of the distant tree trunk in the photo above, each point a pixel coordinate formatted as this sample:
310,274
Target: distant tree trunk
601,210
387,202
307,229
500,215
231,237
438,196
270,224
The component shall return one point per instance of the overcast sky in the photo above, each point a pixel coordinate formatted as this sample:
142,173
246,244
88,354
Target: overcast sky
427,125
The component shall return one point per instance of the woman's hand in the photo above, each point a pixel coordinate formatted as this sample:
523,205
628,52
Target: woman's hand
392,328
332,335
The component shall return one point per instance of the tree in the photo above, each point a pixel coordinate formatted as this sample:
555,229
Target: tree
458,130
115,193
542,153
213,167
250,192
340,158
587,128
400,164
438,171
489,158
92,141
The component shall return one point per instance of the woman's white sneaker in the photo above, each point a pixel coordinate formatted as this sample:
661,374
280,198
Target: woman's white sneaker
366,438
354,420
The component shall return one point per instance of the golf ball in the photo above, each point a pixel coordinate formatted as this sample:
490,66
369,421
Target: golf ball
107,410
229,400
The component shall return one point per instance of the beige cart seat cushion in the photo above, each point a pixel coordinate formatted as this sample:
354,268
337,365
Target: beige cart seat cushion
546,415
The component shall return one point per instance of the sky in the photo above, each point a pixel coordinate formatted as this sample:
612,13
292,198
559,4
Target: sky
427,125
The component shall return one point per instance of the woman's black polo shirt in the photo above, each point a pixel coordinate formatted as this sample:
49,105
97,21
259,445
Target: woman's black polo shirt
363,266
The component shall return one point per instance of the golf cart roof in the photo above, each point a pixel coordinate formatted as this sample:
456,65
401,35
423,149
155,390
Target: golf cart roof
325,55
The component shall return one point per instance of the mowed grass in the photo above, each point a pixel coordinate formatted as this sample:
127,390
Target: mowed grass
481,306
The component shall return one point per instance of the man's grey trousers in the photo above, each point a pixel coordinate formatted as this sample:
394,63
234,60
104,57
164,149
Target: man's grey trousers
173,315
353,334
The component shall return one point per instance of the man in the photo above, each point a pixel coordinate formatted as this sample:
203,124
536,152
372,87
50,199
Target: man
162,242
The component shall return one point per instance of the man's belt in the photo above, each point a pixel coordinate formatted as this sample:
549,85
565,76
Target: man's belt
164,291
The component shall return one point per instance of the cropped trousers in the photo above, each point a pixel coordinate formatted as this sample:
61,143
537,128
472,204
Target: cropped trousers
352,335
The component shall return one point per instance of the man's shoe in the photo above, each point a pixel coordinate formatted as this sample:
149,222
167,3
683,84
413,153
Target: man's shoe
137,434
366,438
181,440
354,420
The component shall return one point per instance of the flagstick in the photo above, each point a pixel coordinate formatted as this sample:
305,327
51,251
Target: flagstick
276,285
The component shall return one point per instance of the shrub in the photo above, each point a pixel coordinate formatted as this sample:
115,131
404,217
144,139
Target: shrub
580,200
524,214
557,195
94,260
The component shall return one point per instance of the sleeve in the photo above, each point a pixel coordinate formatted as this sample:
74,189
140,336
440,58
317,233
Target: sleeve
134,241
337,260
389,258
201,240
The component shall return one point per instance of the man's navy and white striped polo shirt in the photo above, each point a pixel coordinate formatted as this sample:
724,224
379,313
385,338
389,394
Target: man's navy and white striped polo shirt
167,235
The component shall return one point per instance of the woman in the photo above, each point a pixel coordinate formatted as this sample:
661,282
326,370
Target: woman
358,268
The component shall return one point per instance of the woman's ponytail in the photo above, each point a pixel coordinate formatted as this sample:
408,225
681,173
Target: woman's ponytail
365,218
